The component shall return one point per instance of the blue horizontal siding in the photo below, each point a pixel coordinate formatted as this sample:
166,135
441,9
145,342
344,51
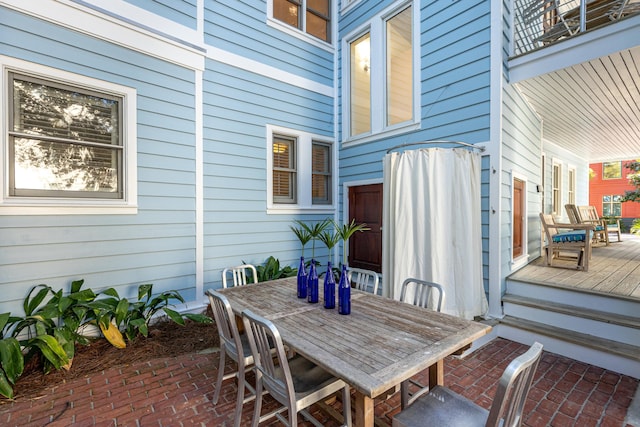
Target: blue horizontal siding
181,11
241,27
109,250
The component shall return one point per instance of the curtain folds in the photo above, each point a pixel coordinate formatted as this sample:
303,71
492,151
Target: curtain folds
432,225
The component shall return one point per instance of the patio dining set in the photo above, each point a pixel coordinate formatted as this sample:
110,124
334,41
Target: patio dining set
303,353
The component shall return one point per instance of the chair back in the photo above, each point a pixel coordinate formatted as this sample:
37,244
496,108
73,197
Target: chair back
572,213
547,220
265,340
226,323
239,274
423,293
364,280
514,385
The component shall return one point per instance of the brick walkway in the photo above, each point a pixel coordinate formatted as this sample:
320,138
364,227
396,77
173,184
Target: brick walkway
178,391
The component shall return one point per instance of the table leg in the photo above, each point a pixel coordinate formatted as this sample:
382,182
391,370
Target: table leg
364,410
436,373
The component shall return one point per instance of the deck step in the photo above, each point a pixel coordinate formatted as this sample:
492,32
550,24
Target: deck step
575,311
626,351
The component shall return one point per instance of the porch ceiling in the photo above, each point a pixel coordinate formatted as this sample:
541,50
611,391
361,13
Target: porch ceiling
591,108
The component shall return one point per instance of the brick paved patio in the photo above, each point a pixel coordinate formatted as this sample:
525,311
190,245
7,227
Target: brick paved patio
177,392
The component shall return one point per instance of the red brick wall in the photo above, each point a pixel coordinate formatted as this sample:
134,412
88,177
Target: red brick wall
599,187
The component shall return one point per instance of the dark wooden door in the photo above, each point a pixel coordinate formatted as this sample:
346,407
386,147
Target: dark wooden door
365,248
518,212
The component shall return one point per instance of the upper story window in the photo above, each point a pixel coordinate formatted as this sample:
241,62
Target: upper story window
380,82
612,170
300,168
66,144
310,16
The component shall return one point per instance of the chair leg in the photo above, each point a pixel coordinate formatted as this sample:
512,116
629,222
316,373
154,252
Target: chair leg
258,407
240,397
216,394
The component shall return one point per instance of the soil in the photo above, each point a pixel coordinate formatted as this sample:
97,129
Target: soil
165,339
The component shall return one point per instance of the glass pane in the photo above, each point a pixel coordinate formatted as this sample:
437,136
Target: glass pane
399,68
606,210
612,170
606,199
320,189
320,158
317,26
617,198
287,11
52,111
617,209
282,185
321,7
360,85
42,165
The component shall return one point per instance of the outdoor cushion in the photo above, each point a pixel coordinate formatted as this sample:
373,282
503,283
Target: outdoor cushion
569,236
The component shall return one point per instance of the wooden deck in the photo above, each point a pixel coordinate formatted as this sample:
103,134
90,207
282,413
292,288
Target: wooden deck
613,270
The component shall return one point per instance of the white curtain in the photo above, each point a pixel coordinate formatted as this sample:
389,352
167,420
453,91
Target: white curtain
432,225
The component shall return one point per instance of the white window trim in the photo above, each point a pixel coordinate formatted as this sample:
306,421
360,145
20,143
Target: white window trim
376,28
69,206
570,190
523,259
345,5
303,175
300,34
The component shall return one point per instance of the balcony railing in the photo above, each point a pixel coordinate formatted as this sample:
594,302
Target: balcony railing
538,23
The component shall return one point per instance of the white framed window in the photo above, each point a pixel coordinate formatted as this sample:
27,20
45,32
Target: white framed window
571,184
556,188
300,168
310,19
380,63
612,170
68,143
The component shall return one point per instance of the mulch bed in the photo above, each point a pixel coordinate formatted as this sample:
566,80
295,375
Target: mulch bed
165,339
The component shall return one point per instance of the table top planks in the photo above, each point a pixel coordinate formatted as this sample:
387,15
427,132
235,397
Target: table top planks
380,344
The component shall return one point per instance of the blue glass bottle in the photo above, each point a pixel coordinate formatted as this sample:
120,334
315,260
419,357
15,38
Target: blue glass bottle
302,279
312,283
329,288
344,293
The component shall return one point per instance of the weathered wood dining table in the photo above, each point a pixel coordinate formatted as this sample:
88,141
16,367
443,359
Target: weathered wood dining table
380,344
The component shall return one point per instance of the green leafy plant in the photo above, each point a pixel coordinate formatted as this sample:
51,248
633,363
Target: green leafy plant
272,270
345,232
301,233
11,358
635,227
133,318
313,231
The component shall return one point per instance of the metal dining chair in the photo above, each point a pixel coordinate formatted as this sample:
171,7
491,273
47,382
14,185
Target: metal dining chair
444,407
295,383
423,293
239,275
234,345
427,295
365,280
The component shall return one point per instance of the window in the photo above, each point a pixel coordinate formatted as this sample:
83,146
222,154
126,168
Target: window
301,171
556,201
321,173
310,16
63,142
572,186
612,170
379,94
68,145
612,205
284,169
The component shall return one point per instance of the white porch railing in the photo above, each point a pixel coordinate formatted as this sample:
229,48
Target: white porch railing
538,23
